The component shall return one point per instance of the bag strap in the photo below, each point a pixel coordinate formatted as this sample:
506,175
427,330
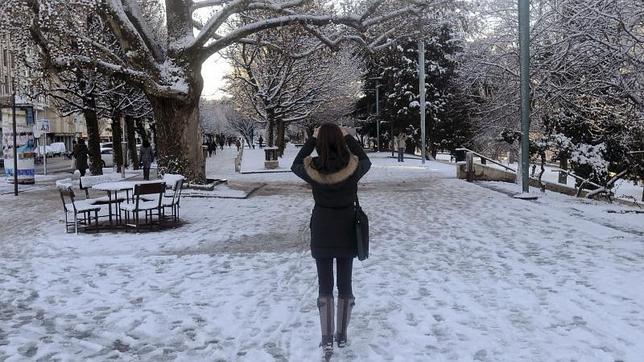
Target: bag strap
357,201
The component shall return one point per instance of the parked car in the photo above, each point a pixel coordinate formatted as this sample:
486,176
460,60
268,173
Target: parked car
54,149
57,148
107,156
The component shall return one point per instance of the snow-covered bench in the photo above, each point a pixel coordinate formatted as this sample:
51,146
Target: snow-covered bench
65,183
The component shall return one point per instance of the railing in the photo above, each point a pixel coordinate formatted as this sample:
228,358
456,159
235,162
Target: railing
486,158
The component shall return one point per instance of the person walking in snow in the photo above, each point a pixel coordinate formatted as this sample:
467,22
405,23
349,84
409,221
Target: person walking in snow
333,176
212,148
80,154
400,144
147,156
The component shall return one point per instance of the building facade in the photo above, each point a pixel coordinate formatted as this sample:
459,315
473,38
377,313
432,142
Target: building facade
38,113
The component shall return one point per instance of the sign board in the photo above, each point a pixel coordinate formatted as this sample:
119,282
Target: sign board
44,126
29,115
26,144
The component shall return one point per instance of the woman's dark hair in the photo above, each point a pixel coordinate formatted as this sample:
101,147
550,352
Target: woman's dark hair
146,143
333,154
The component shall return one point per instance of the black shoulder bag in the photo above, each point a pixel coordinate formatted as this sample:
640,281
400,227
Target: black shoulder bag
362,232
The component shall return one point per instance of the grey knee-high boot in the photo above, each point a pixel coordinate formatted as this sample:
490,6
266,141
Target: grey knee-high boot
345,305
326,308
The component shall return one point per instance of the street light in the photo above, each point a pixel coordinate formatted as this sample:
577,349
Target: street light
524,49
377,79
421,88
15,140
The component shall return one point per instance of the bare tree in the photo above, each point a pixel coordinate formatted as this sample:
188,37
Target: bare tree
166,64
277,90
586,75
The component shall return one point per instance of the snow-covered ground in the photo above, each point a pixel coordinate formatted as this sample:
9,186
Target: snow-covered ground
253,160
457,272
624,189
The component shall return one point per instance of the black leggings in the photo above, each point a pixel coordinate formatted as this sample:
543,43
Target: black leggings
325,276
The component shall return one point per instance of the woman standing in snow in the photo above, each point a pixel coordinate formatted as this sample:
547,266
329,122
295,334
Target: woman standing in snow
333,176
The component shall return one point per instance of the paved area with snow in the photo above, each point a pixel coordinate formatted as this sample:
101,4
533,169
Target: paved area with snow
457,272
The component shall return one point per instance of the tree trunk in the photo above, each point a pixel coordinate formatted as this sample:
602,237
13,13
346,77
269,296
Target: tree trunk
281,128
563,164
178,140
542,185
117,150
154,134
93,137
140,128
270,125
131,142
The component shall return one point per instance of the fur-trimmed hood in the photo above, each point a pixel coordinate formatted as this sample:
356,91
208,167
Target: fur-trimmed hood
331,178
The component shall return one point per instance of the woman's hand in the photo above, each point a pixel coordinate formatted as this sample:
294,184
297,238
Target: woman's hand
348,131
316,131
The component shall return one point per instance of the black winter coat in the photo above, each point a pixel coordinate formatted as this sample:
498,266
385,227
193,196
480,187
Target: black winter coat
333,217
80,154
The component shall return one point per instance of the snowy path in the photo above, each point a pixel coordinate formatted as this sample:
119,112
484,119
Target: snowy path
457,272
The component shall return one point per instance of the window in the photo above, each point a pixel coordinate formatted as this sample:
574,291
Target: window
5,57
6,85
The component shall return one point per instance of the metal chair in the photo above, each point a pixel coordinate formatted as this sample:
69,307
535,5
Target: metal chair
139,204
81,208
172,202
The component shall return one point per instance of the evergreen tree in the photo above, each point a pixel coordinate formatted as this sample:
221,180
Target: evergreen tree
395,69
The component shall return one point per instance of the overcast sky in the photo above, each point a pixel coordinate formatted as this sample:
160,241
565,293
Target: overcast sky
213,72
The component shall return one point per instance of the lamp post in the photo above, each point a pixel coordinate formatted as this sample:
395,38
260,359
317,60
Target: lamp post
123,147
378,113
524,49
421,88
377,79
15,140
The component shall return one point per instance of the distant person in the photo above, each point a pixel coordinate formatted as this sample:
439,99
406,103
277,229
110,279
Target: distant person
237,144
261,141
212,148
80,154
333,176
222,141
401,144
71,155
147,156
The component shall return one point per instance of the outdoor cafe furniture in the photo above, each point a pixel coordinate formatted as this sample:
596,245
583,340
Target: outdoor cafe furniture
138,204
173,200
112,189
89,182
82,210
